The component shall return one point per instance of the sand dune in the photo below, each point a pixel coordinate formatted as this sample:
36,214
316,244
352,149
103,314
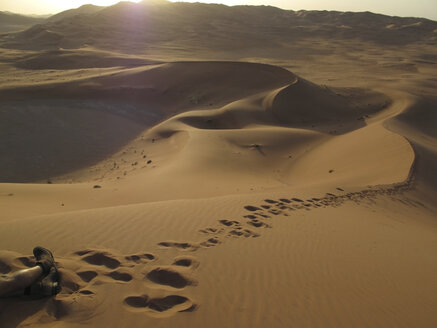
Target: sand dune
82,10
70,59
86,112
148,26
10,22
211,166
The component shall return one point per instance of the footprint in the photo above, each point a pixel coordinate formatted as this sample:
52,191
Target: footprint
210,242
140,258
137,301
168,302
250,216
81,253
181,245
70,281
229,223
251,208
258,224
266,207
243,233
102,259
263,215
208,230
237,233
86,292
175,303
188,262
168,277
297,200
183,262
285,200
270,201
87,276
120,276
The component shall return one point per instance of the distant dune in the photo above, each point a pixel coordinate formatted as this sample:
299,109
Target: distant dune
10,22
195,165
135,27
83,10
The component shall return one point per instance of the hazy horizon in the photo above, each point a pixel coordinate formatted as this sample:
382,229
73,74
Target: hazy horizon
421,8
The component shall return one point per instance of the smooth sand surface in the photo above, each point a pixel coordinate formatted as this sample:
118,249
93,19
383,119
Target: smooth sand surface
186,186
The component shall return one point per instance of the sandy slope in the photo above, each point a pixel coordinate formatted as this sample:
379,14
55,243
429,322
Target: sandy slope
324,242
223,194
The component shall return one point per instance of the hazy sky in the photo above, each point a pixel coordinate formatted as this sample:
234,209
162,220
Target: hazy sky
420,8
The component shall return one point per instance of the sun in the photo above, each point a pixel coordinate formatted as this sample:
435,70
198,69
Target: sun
102,2
223,2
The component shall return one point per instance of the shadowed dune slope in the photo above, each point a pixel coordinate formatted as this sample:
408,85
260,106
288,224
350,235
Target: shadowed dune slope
71,59
417,125
302,134
304,103
176,85
272,139
60,127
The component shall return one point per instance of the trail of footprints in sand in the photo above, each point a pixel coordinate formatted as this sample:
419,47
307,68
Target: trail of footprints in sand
176,276
85,270
259,217
249,226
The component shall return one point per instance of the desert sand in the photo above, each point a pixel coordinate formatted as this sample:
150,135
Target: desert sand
196,165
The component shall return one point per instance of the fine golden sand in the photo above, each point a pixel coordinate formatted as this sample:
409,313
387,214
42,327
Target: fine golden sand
196,184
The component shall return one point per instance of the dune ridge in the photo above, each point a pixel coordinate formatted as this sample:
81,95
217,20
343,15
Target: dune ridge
150,26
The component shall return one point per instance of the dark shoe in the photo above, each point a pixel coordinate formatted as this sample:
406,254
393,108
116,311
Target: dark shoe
44,259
